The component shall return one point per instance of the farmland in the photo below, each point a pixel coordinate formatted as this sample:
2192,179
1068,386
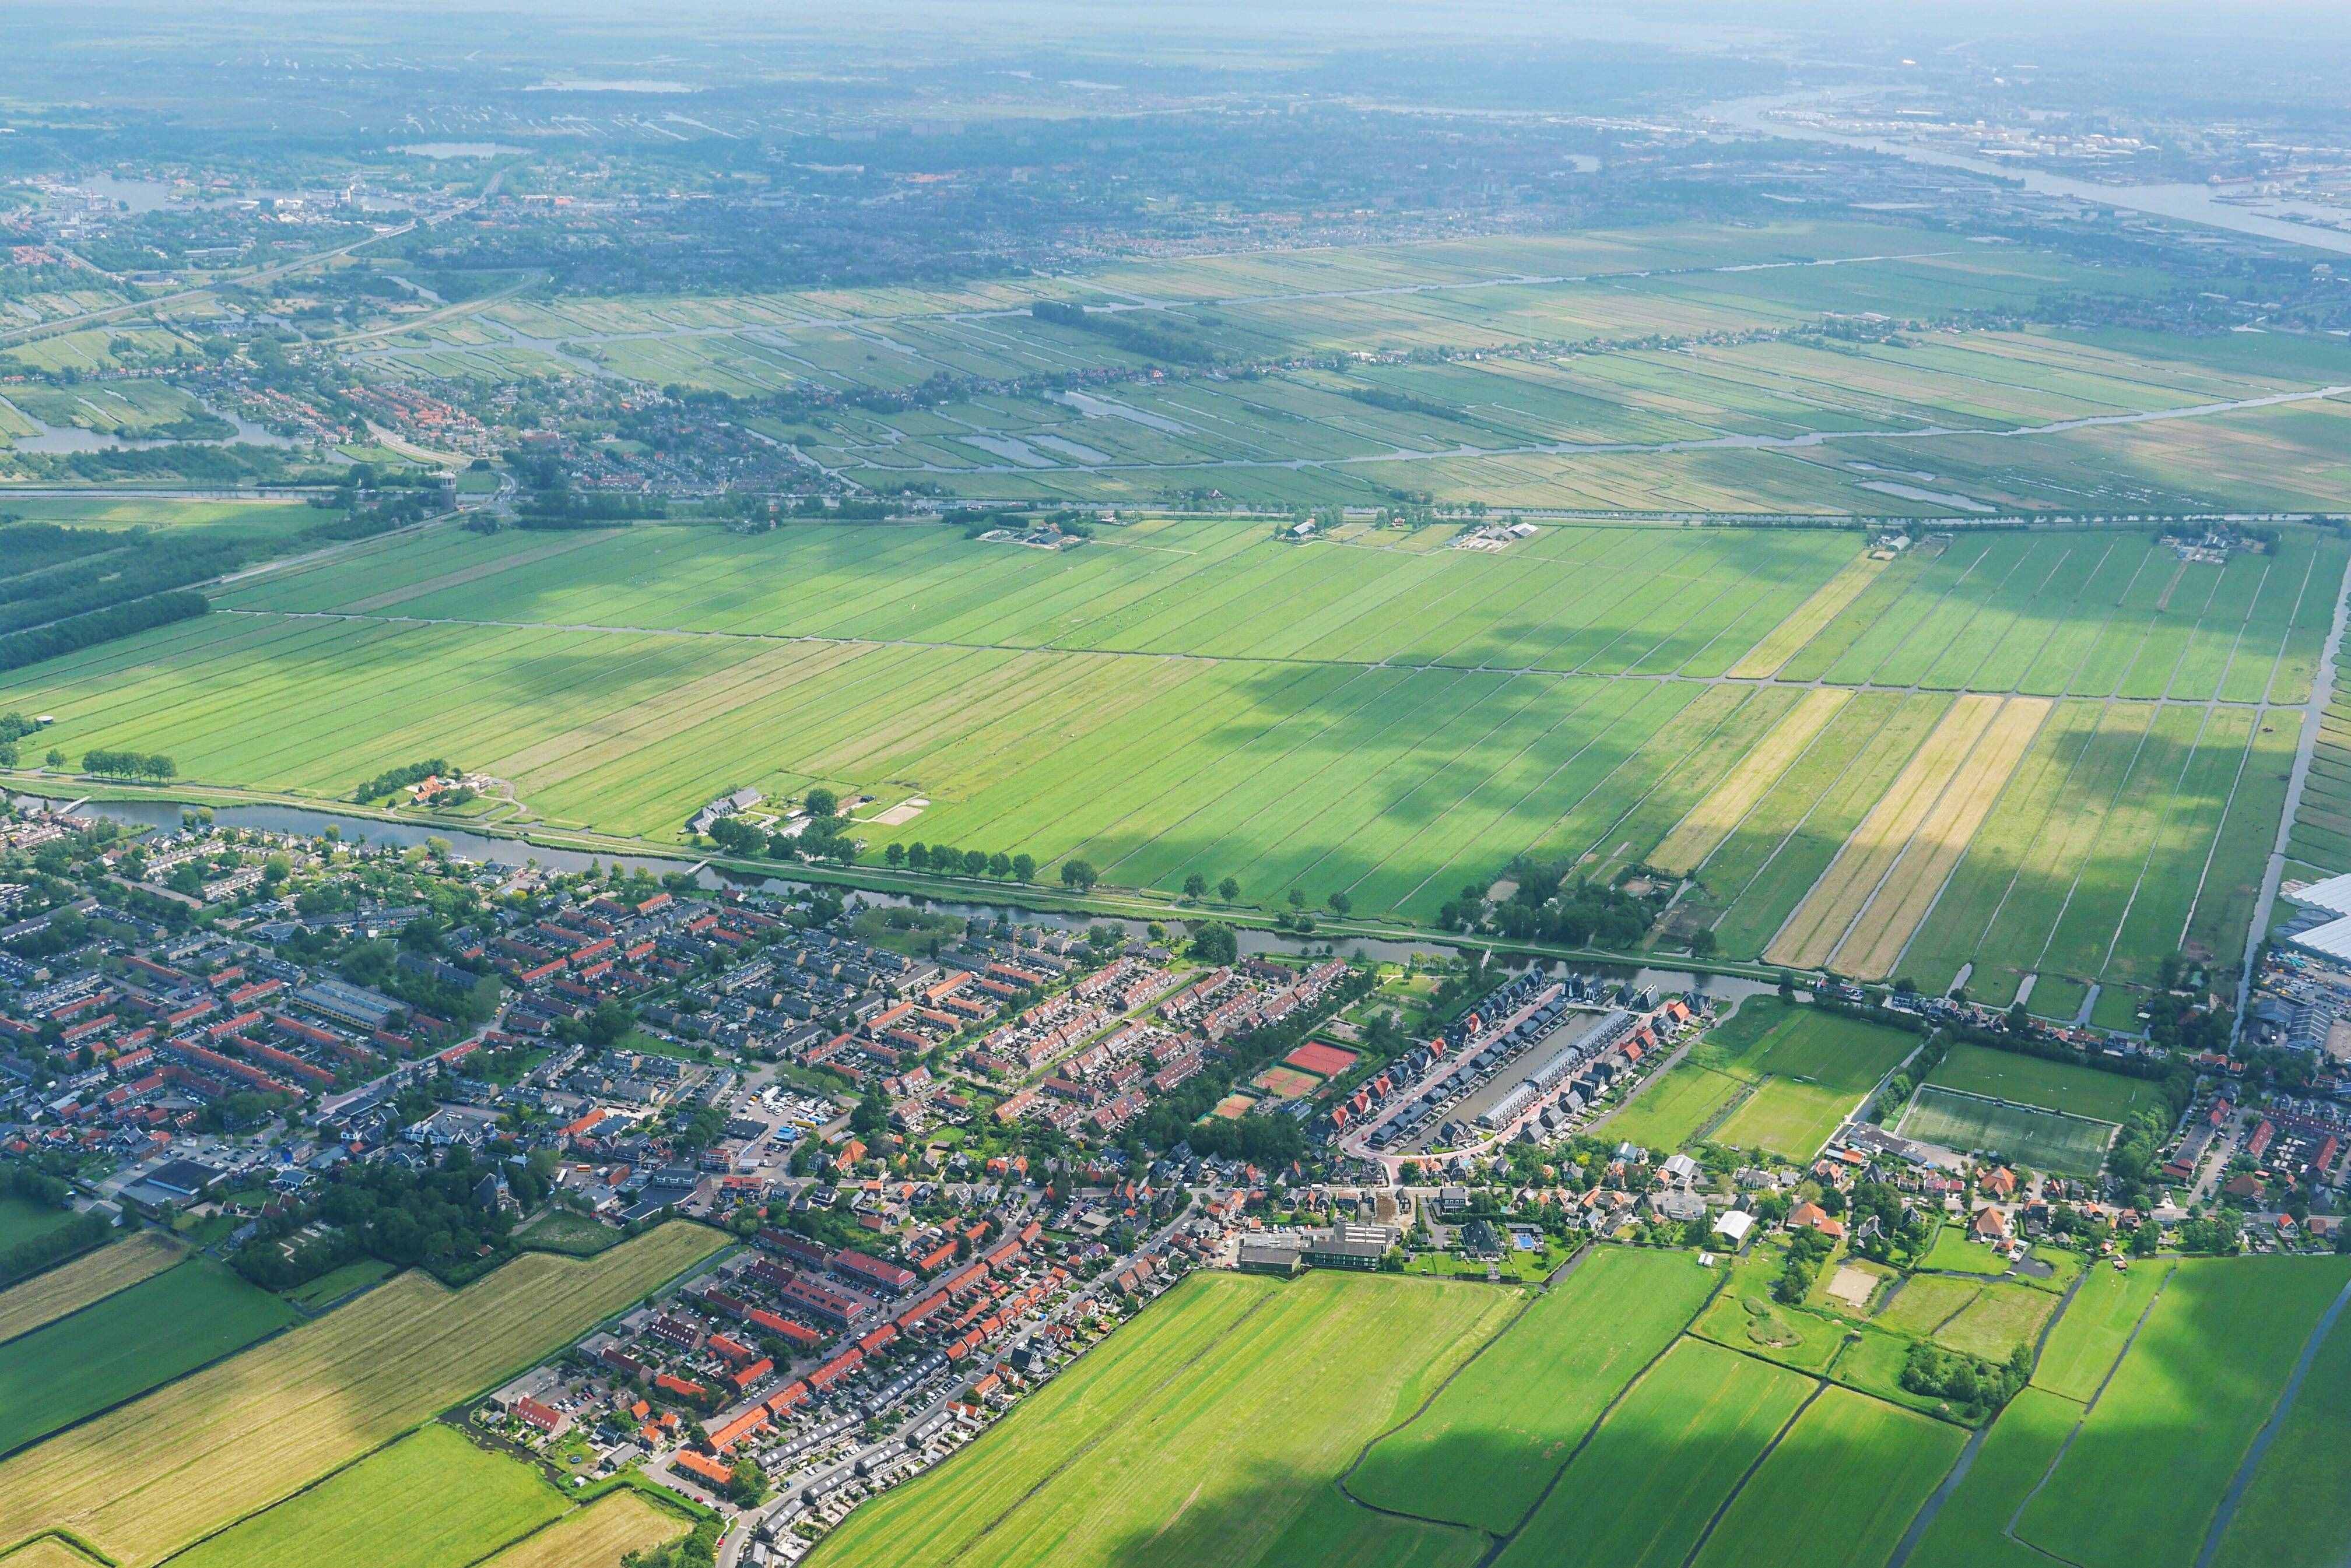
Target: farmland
134,1340
1140,1454
597,1536
22,1220
368,1512
148,1478
91,1277
2167,1432
2078,706
1483,1451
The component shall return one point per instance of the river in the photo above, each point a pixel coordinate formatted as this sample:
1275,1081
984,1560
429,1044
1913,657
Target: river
2180,201
492,850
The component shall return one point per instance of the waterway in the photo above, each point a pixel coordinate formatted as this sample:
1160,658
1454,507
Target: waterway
489,849
443,151
2180,201
50,437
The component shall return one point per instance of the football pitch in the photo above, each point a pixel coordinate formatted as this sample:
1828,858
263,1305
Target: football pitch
2044,1140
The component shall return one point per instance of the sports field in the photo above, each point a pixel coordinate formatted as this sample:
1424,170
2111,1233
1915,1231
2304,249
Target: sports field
1810,1073
2033,1080
118,1348
1486,1447
150,1477
1212,1430
2025,1135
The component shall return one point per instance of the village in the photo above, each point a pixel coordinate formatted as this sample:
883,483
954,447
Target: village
953,1155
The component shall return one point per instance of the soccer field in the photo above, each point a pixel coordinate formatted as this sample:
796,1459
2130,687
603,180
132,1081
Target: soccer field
2045,1140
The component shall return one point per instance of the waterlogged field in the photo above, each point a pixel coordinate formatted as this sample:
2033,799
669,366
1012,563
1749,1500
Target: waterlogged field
2057,754
152,1476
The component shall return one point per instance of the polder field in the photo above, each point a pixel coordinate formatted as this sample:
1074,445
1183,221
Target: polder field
1600,1423
1676,367
313,1443
2058,753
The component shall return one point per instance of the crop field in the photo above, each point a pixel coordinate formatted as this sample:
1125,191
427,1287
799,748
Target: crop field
1810,1073
2037,755
370,1513
152,1476
597,1536
1486,1447
2025,1135
2169,1431
93,1276
118,1348
1211,1429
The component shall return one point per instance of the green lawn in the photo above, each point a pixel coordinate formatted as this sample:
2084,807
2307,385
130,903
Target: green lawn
432,1500
1212,1430
22,1220
1954,1251
336,1284
2052,1086
1811,1071
119,1347
1484,1451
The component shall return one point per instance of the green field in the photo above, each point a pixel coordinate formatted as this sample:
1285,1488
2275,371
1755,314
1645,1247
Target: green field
1674,1451
2052,1086
120,1347
1211,1429
1810,1073
2296,1513
2167,1433
1970,1530
22,1220
1486,1447
2005,753
1954,1251
1861,1467
432,1500
1186,696
2022,1134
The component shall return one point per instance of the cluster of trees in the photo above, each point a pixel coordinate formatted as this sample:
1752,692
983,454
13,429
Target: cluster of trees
1545,907
1402,402
1195,888
148,564
1966,1380
426,1218
1807,1251
400,778
948,861
1138,338
79,1234
152,765
18,648
825,836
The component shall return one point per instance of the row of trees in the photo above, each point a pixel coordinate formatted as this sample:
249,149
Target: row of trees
30,646
151,765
